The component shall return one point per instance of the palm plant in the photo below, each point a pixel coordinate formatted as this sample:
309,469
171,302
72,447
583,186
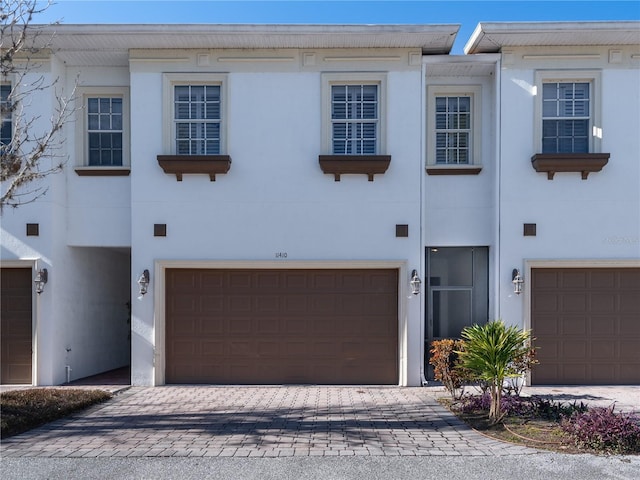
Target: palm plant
490,353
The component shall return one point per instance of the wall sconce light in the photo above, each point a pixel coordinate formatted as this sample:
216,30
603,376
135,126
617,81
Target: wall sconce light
415,283
143,282
517,281
41,279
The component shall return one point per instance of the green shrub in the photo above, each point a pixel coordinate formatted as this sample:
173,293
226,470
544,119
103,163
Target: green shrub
490,353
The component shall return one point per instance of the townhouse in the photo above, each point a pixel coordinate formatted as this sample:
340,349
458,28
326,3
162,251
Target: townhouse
273,204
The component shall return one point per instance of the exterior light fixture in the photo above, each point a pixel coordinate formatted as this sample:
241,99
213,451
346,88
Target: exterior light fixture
415,283
41,279
517,281
143,282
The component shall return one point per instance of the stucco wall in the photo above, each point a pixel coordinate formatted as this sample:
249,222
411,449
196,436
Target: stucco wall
596,218
275,198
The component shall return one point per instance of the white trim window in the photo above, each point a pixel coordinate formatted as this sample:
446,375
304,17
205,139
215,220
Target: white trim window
353,114
453,122
354,119
102,128
566,117
105,128
195,106
567,112
197,117
453,129
6,117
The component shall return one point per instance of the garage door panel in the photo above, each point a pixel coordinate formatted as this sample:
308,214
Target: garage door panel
212,325
545,326
290,326
212,304
545,279
603,349
602,326
594,334
605,302
572,303
630,350
629,278
574,350
573,279
212,348
630,303
601,373
546,302
605,279
573,325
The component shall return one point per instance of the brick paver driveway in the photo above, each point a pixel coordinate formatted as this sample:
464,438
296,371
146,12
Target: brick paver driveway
260,421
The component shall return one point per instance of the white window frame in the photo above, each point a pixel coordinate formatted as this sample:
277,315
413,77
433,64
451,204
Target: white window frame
375,78
594,78
82,126
170,80
475,144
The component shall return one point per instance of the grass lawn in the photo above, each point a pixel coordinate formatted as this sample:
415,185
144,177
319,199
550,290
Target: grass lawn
22,410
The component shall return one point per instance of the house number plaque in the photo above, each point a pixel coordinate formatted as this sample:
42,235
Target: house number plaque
281,254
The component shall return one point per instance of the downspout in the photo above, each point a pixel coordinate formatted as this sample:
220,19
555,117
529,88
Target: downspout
423,178
498,191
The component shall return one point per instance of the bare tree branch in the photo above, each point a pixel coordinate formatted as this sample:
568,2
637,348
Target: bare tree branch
29,155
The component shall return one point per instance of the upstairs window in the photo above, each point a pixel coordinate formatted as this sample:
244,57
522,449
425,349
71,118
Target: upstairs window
354,119
102,131
197,116
566,117
5,115
353,114
194,106
453,130
105,123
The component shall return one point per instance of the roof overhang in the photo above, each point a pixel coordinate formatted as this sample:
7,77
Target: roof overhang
493,37
430,39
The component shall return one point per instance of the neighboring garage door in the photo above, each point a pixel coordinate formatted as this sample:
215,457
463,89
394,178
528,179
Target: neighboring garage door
282,326
586,322
15,309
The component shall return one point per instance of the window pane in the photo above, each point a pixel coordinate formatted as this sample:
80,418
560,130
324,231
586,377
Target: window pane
116,105
94,157
452,314
550,91
453,266
116,122
105,122
550,108
117,157
105,105
93,122
94,140
92,105
116,140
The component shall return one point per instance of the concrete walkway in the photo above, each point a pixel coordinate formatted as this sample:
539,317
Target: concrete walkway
228,421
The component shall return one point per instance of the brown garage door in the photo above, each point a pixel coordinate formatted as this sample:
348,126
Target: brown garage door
586,322
282,326
15,308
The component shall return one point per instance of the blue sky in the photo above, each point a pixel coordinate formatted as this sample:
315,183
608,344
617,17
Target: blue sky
468,13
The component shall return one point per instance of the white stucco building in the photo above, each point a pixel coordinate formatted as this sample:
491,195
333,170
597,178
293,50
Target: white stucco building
281,186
